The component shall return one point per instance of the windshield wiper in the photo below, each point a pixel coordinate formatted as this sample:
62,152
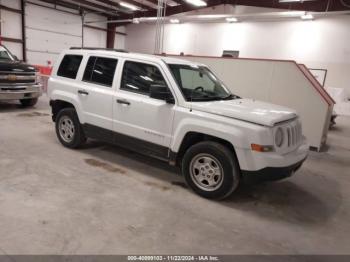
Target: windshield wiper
203,98
230,97
215,98
207,98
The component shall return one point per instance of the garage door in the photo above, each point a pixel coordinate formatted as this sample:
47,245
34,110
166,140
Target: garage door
49,32
11,27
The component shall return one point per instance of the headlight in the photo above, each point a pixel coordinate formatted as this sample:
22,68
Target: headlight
279,137
37,77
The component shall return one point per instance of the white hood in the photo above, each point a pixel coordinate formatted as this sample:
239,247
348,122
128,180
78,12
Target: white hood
247,110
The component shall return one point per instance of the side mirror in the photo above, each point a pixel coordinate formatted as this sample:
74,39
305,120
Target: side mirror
15,57
161,92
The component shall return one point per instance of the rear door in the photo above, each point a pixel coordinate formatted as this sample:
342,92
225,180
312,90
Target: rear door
96,91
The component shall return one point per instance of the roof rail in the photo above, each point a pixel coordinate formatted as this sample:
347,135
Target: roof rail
99,48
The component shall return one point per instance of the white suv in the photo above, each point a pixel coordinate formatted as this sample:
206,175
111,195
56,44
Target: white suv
176,111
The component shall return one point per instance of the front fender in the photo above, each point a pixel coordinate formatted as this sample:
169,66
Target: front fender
239,133
233,135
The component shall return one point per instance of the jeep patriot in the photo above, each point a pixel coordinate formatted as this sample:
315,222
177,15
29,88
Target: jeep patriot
177,111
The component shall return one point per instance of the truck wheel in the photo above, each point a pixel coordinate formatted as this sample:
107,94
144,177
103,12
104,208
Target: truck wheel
28,102
68,128
211,170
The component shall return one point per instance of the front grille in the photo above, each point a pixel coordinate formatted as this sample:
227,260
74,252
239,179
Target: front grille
11,88
294,134
17,78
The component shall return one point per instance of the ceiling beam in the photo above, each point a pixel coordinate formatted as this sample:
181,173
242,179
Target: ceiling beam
316,6
94,5
173,10
179,1
115,4
155,2
71,6
3,7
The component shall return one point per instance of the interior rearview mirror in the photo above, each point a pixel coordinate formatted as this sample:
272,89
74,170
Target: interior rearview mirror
161,92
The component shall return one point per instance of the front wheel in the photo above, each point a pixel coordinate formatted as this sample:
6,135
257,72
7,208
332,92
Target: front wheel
68,128
211,170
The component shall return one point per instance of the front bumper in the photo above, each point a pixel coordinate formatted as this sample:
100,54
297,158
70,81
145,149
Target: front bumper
270,173
20,92
273,166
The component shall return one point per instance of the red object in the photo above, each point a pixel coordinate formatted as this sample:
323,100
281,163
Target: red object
44,70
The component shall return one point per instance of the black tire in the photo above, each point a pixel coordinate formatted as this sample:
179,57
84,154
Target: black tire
77,138
228,165
28,102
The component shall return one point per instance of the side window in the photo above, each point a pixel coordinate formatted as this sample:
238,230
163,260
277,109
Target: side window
69,66
138,77
100,70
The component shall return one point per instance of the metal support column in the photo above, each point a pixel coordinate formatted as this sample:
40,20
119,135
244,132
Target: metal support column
24,45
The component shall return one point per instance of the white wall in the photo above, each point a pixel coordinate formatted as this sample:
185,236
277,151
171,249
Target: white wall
323,43
11,26
50,31
119,42
95,37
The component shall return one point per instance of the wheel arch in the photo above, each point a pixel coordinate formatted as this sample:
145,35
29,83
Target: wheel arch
191,138
58,105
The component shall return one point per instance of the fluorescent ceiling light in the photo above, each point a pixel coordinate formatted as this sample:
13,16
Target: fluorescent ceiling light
174,21
231,19
196,2
293,13
211,16
148,19
291,1
129,6
307,17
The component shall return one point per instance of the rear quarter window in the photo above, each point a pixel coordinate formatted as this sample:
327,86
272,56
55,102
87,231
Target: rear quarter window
69,66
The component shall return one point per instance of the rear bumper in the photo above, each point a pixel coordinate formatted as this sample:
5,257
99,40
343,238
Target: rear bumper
21,92
270,173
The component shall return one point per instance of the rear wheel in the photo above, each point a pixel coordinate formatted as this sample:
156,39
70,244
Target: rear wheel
28,102
68,128
211,170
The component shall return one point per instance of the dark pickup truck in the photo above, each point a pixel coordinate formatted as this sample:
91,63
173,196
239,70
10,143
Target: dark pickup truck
18,81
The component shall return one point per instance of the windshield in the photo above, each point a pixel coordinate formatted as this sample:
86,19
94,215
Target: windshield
198,83
5,55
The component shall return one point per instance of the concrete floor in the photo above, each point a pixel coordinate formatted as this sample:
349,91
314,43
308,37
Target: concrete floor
106,200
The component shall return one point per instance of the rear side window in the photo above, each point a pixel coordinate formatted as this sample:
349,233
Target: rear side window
69,66
100,70
138,77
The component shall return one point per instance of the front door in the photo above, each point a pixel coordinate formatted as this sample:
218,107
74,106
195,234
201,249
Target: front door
143,123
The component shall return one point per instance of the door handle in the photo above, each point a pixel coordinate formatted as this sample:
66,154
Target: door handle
83,92
123,101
